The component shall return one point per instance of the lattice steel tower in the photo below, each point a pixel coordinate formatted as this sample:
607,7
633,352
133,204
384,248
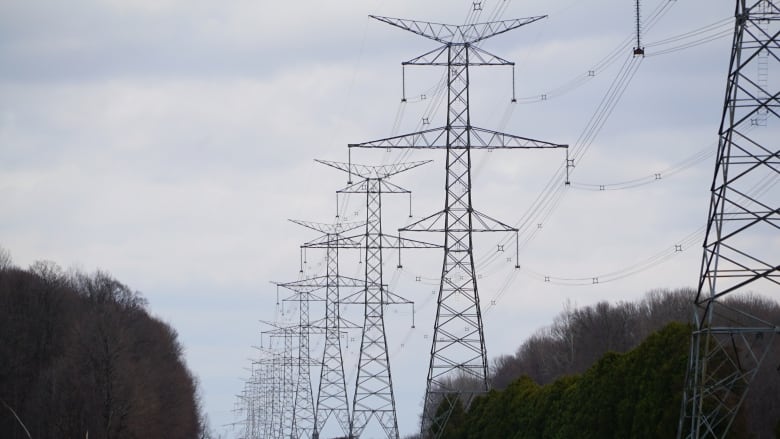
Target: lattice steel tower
332,391
258,396
303,402
374,385
458,346
284,365
729,343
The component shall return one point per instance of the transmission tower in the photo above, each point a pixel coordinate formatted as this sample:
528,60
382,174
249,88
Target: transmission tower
262,381
332,391
284,365
374,386
270,377
247,402
303,404
455,353
729,343
257,397
260,401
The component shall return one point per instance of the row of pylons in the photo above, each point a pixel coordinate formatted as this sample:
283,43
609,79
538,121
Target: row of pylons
728,345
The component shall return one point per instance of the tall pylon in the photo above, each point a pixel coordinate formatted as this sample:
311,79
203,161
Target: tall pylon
729,342
374,396
258,398
303,417
458,346
248,402
332,391
264,382
284,365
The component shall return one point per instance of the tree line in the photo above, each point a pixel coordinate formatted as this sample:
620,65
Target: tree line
610,371
81,357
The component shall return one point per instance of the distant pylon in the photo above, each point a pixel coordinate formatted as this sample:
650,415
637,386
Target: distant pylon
264,382
458,346
303,401
259,396
374,385
284,381
249,403
729,343
332,390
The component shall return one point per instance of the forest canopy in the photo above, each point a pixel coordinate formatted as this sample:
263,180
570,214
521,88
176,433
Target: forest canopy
81,354
610,371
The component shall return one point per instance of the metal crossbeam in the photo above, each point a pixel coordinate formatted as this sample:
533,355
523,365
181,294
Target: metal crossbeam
450,33
453,138
371,172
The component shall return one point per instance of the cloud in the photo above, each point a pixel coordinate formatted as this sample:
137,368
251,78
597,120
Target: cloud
168,142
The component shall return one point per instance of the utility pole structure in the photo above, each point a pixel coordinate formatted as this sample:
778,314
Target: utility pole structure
257,397
262,378
263,395
374,386
284,381
332,390
303,404
248,402
729,343
455,353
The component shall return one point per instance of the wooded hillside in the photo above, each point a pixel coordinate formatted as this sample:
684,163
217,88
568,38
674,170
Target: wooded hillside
80,354
611,371
633,395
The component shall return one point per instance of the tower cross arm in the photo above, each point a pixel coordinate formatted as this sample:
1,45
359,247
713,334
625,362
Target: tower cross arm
384,186
301,287
398,242
326,241
436,138
439,57
318,282
432,138
482,138
480,223
279,328
367,171
455,34
328,228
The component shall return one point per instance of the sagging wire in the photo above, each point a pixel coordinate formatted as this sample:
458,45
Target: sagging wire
655,177
605,62
551,197
654,260
710,32
553,192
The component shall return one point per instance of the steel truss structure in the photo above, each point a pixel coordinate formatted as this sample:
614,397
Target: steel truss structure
373,397
283,366
273,399
332,391
303,419
250,403
729,343
260,396
458,346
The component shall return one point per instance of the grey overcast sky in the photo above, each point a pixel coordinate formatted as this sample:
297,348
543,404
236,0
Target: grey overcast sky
168,141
